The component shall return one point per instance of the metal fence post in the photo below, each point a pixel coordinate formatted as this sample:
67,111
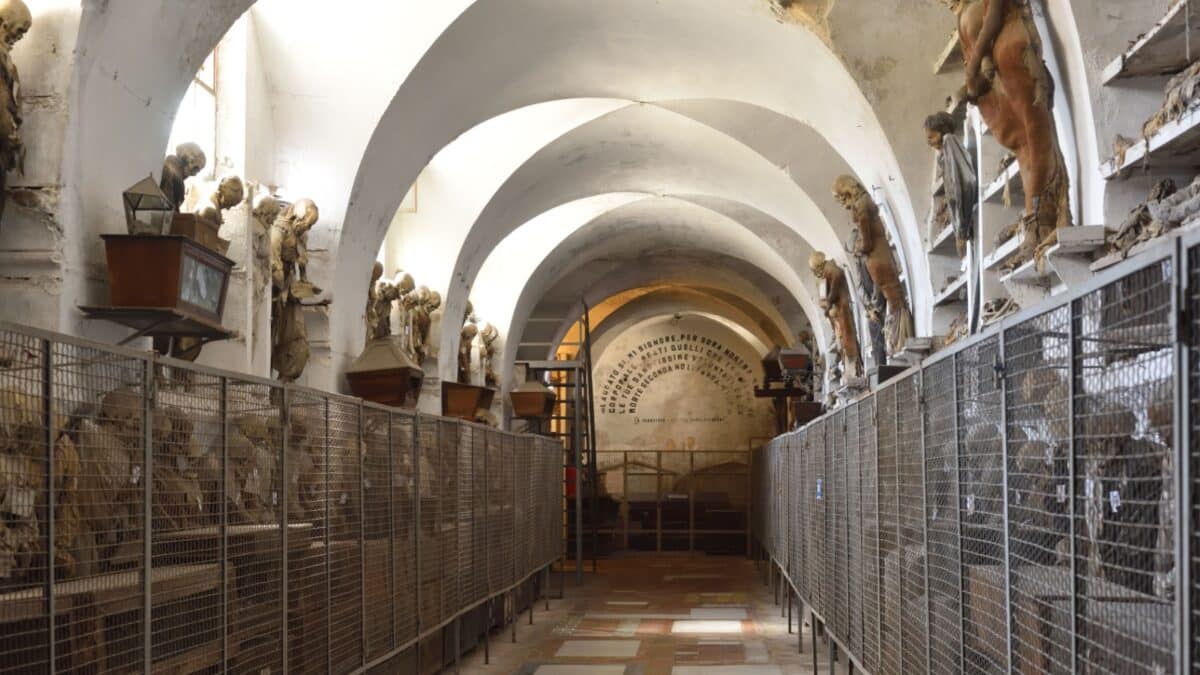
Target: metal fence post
147,509
1072,415
391,525
1001,372
921,405
48,420
962,642
285,416
416,445
328,554
1181,316
899,543
223,490
362,529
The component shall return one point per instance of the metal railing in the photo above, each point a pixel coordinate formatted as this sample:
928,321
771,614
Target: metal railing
1021,503
208,521
674,500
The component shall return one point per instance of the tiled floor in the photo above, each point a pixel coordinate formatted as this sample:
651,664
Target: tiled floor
656,616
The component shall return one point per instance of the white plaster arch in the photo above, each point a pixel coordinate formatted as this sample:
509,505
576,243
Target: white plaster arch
670,301
503,56
726,279
648,149
678,226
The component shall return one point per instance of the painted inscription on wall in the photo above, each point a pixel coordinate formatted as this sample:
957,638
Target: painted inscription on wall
686,383
624,386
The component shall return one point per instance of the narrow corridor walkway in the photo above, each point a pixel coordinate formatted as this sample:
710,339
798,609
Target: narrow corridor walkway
656,616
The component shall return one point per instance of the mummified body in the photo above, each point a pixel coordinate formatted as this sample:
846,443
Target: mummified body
838,308
877,257
1009,82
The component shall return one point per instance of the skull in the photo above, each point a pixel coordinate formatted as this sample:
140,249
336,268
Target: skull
230,192
847,190
434,300
816,262
488,333
266,209
15,21
469,331
191,155
405,283
306,215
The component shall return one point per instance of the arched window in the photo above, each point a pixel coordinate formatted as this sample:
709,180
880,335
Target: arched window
196,119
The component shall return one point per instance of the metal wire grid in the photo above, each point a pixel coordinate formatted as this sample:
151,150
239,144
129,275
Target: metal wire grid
187,437
100,515
815,532
890,639
1191,451
429,595
344,541
446,525
854,529
308,582
493,496
254,538
378,564
835,521
25,425
779,512
476,584
1124,482
981,508
943,556
868,472
1038,419
910,473
795,458
404,525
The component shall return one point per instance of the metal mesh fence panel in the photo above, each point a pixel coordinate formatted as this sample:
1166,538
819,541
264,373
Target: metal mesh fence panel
981,508
307,448
404,460
26,424
795,488
344,535
1124,474
429,536
1191,452
446,523
379,576
910,474
100,490
870,533
854,529
254,533
187,449
836,525
943,557
814,451
158,516
1037,377
890,639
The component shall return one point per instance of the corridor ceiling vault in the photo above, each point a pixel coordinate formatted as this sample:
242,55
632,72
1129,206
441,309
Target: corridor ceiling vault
672,153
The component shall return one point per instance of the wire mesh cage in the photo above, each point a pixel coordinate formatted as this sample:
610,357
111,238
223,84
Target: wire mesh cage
815,532
794,449
1190,429
868,471
981,508
910,476
890,638
835,522
943,556
1038,412
378,550
159,516
1124,470
404,461
854,529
